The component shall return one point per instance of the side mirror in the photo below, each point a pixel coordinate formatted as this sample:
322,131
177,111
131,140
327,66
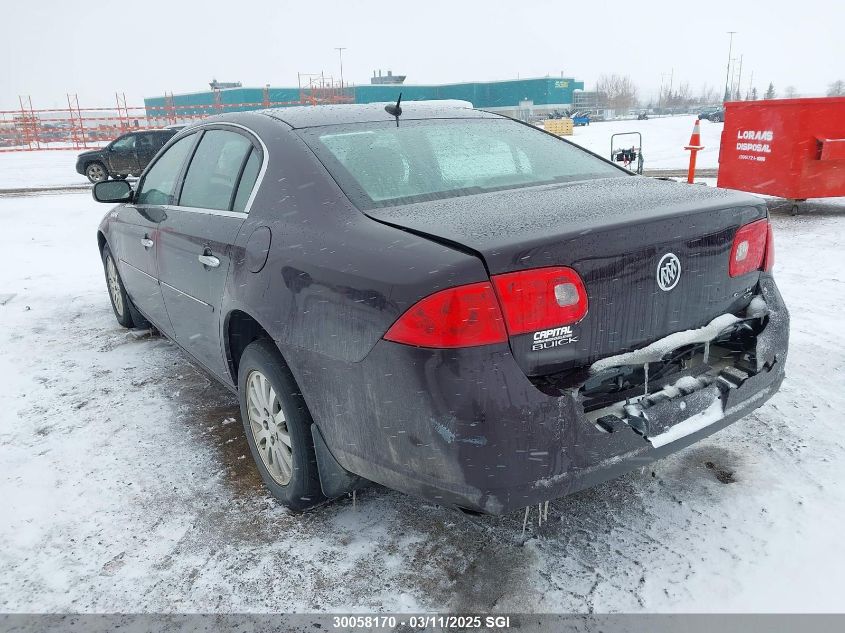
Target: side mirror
112,191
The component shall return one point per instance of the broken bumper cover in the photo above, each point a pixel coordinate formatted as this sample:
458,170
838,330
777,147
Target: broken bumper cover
466,428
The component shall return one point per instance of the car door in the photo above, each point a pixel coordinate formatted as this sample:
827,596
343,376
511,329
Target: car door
121,155
137,232
197,235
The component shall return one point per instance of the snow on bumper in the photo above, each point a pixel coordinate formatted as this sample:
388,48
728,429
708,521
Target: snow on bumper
732,351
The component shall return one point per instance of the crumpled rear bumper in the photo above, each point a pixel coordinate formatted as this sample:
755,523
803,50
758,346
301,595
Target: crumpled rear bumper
466,428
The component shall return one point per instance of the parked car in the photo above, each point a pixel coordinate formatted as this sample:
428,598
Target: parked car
705,113
429,299
712,113
717,117
127,155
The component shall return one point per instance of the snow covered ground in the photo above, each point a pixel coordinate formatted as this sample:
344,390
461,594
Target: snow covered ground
664,139
663,148
49,168
127,485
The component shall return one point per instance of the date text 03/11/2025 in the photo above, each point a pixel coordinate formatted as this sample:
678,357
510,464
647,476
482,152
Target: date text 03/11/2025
463,622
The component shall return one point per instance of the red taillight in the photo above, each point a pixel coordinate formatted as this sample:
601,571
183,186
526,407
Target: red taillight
457,317
769,260
749,248
540,298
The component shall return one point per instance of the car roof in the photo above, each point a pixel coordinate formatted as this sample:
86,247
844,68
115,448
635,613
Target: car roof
314,116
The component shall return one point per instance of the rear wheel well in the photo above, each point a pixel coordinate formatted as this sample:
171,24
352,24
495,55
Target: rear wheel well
241,330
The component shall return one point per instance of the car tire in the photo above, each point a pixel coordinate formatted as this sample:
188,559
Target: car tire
124,310
96,172
277,424
120,177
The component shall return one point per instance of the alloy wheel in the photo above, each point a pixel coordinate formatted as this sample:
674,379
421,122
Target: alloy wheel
269,427
114,285
96,173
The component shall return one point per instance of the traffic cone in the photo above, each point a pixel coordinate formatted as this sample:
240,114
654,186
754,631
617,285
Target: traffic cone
695,138
694,146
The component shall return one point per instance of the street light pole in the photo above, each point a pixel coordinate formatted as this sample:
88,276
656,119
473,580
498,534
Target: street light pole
728,71
733,75
340,50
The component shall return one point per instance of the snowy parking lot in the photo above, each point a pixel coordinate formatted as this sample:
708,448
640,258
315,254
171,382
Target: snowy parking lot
663,141
127,483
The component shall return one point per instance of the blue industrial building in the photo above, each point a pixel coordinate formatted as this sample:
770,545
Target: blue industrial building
539,96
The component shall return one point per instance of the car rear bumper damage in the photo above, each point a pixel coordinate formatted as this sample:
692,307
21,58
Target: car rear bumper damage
467,428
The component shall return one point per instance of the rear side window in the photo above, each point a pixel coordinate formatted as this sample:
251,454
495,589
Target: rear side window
247,182
214,170
158,184
147,141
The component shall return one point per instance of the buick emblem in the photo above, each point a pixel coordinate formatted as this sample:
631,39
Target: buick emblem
668,271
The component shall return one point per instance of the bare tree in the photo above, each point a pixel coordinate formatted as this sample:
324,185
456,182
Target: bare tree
707,95
836,89
681,97
790,92
619,91
684,94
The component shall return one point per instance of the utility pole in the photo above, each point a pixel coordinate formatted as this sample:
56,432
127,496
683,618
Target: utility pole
660,95
667,99
728,70
671,75
340,50
733,77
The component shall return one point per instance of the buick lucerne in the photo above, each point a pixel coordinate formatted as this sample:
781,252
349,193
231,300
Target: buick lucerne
445,301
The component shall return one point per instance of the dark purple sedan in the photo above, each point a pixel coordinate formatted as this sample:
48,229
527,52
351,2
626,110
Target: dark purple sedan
445,301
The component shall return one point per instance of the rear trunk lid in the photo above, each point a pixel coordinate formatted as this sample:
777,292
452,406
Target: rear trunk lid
614,233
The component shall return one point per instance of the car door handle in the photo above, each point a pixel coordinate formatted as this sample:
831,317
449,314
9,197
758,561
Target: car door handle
209,260
147,242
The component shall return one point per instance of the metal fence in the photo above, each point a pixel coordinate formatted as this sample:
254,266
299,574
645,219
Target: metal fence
36,129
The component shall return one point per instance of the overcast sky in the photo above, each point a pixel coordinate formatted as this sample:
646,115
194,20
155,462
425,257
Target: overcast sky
51,47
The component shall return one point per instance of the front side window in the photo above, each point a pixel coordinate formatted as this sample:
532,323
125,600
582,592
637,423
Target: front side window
159,182
214,170
125,144
379,164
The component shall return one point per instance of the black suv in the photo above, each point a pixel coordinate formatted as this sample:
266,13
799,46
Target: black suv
127,155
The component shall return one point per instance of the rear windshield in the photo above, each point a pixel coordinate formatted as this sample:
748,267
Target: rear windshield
380,164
